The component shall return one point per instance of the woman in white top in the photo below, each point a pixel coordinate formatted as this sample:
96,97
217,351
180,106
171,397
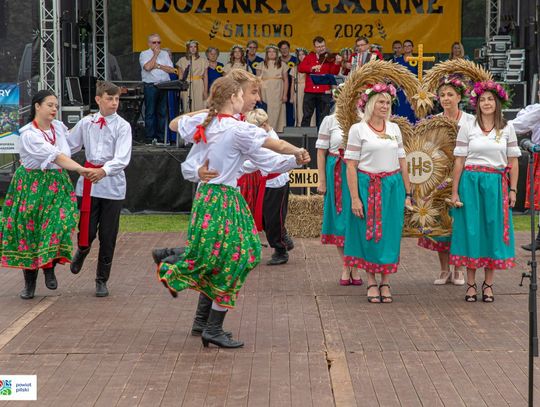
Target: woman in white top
486,151
223,245
450,92
379,188
40,207
332,175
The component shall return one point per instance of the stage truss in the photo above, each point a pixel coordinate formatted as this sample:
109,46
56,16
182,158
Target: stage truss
493,18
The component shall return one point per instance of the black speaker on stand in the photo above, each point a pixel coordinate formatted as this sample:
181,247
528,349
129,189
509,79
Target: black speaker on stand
88,89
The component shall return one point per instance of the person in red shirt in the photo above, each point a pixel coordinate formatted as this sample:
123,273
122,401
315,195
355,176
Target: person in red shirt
318,98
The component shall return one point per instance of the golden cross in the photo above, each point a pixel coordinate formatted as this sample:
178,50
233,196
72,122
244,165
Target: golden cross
419,60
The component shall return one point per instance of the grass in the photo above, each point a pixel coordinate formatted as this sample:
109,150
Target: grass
522,223
154,223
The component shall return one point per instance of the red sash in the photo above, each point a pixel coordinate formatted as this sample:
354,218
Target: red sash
258,215
337,180
505,181
86,205
374,209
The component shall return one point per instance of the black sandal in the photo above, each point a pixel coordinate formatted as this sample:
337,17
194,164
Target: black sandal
487,298
386,297
471,298
372,298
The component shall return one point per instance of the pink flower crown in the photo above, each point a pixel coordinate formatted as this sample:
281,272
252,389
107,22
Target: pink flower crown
489,86
455,82
373,90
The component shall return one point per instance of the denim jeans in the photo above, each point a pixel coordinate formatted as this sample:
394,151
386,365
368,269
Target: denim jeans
155,113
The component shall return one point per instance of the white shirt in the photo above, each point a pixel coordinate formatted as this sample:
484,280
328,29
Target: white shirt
528,119
36,152
230,142
330,135
155,75
489,150
110,147
375,154
464,119
279,181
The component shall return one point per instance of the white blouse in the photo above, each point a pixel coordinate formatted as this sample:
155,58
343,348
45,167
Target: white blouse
36,152
109,146
375,154
491,150
230,142
330,135
465,118
528,119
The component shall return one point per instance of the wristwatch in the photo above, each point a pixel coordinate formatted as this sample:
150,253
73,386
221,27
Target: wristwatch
158,66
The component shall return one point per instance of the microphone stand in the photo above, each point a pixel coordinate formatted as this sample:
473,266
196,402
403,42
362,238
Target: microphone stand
190,92
533,317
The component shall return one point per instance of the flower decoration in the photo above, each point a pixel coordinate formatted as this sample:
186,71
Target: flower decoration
490,86
255,65
219,69
191,42
423,99
454,81
291,64
424,214
271,46
337,90
304,50
342,51
373,90
237,46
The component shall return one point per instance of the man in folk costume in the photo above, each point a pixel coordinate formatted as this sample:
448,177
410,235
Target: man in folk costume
528,120
318,98
106,139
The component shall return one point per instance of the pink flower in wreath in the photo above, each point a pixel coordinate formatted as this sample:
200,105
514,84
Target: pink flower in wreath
34,186
378,87
490,85
30,225
54,187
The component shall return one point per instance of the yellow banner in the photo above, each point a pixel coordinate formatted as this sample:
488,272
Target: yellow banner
223,23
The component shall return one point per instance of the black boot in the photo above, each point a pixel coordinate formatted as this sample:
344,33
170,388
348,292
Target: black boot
30,277
159,254
289,244
201,316
78,260
528,247
279,257
102,276
50,279
213,333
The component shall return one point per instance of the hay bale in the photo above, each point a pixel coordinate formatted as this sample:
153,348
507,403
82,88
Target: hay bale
304,218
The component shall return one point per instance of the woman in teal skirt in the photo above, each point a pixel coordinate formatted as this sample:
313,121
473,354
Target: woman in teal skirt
223,245
40,207
486,153
332,175
379,189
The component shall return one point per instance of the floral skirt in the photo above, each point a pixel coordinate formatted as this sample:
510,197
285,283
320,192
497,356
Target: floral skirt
439,244
38,218
223,246
478,228
333,225
376,256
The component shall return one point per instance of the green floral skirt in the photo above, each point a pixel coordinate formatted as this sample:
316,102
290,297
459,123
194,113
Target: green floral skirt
222,247
38,218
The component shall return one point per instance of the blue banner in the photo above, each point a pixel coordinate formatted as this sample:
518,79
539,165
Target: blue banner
9,117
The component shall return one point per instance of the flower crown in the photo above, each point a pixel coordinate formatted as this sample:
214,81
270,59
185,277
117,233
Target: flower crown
271,46
304,50
373,90
190,42
344,50
489,86
455,82
237,46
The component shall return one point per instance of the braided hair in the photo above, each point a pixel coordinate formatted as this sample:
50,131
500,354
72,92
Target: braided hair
221,91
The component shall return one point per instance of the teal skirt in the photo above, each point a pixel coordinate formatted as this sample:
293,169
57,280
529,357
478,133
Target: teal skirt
222,247
478,228
333,225
370,255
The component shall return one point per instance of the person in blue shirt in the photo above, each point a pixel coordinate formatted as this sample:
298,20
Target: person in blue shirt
215,68
291,61
252,58
403,107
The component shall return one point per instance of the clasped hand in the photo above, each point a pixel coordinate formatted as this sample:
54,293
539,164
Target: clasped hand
93,174
302,156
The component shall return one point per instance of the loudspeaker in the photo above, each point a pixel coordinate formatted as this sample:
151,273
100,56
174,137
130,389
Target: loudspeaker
88,89
305,137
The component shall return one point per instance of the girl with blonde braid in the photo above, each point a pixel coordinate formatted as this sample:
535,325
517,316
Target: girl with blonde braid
222,244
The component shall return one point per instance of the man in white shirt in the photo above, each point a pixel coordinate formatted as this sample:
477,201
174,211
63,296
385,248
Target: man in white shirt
156,65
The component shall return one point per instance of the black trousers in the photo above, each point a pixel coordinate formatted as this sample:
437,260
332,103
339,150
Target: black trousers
318,102
276,203
104,221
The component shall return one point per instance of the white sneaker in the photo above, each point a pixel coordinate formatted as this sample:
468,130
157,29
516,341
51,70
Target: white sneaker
444,278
